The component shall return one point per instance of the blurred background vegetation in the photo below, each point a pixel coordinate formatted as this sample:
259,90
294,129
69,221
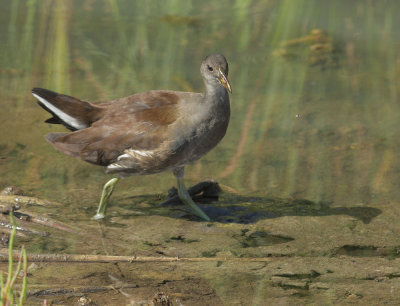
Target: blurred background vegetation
315,107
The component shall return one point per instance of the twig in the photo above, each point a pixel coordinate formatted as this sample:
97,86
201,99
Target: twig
112,259
22,228
80,290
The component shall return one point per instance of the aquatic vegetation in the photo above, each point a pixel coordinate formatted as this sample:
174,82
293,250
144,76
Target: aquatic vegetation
316,49
8,293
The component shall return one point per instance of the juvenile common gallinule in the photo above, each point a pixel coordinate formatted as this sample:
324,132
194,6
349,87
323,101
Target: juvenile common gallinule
144,133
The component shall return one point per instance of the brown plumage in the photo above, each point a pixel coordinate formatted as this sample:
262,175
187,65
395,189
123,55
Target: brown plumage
144,133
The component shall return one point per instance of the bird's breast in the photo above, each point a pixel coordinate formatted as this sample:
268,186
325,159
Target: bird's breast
201,131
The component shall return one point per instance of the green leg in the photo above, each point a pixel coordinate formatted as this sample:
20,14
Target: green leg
185,198
105,196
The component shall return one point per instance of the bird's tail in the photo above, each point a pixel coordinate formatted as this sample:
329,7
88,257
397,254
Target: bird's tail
73,113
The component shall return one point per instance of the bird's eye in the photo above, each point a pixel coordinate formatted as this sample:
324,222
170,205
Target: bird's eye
210,68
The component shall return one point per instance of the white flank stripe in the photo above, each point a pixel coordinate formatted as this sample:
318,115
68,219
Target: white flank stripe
130,154
141,153
115,166
123,156
63,116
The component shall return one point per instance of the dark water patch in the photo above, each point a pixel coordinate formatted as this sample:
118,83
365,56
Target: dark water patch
211,253
40,245
368,251
313,274
181,238
3,149
297,281
365,214
17,150
260,238
380,278
300,286
358,251
151,244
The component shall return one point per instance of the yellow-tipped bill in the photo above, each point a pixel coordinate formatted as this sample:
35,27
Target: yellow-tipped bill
224,81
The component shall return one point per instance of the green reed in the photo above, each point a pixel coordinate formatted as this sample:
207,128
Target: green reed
8,293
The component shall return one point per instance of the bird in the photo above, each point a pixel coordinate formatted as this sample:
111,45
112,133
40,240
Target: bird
144,133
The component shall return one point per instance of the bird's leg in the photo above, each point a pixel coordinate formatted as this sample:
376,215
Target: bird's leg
184,195
105,196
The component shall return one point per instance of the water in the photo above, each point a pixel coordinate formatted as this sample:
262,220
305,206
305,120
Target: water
314,106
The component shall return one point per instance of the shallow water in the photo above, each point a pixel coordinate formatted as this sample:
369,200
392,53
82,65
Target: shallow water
314,127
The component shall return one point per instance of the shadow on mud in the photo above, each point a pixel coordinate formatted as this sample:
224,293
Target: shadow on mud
247,210
233,208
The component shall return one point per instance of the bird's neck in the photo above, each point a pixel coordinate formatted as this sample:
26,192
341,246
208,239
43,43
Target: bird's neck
215,92
217,99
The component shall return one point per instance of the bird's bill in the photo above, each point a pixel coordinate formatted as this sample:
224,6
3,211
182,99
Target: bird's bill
224,81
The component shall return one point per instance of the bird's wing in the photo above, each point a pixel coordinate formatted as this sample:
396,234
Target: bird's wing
137,123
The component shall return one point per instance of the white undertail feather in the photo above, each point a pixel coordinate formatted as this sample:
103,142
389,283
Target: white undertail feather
63,116
126,160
